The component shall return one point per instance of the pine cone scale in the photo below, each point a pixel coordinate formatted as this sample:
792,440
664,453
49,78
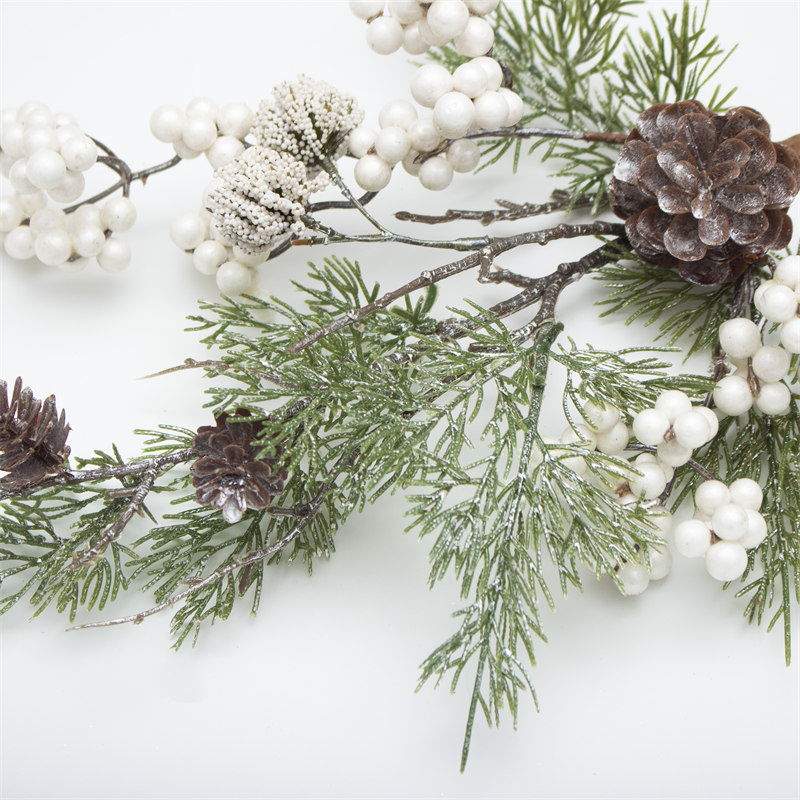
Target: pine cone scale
698,135
714,230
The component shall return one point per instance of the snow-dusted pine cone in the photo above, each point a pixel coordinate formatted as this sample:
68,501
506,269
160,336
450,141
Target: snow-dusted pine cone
227,473
705,194
32,437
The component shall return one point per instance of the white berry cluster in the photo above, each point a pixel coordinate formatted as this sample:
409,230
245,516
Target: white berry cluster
760,369
470,99
308,119
44,155
725,525
204,127
635,576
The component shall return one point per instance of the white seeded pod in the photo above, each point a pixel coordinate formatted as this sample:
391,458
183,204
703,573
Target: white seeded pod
70,189
392,144
397,112
774,398
771,363
516,108
79,153
166,123
372,173
692,538
53,246
435,173
453,115
19,243
384,35
45,169
115,255
790,335
788,272
224,150
476,39
410,163
118,214
199,132
235,119
234,278
208,256
613,441
463,155
423,135
491,111
88,241
364,9
756,529
726,561
634,577
650,426
361,140
413,43
429,83
405,11
732,395
470,79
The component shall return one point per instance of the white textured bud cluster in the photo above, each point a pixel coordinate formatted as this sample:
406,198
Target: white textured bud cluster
761,371
44,155
309,119
204,127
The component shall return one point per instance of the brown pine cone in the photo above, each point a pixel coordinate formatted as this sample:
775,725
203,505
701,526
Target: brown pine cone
705,194
227,473
32,437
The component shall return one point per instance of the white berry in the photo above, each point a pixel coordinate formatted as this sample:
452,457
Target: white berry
166,123
516,108
88,241
739,337
771,363
208,256
372,173
673,453
692,538
660,561
361,140
790,335
405,11
19,243
778,303
234,278
397,112
756,529
491,111
70,189
53,246
634,577
115,255
711,495
732,395
413,42
435,173
476,39
423,135
11,213
774,398
447,18
429,83
118,214
45,169
651,483
188,230
199,132
470,79
691,429
463,155
79,153
746,492
364,9
729,521
235,119
392,144
614,440
726,561
650,426
224,150
384,35
453,115
673,403
788,272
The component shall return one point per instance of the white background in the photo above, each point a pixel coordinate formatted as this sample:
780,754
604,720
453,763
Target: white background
671,694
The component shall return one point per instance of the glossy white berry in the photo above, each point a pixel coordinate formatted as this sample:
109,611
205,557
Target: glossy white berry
726,561
118,214
739,337
491,111
790,335
745,492
392,144
788,272
447,18
53,246
384,35
476,39
729,521
614,440
756,529
603,418
188,230
413,42
470,79
115,255
732,395
199,132
249,259
423,135
67,132
46,218
234,278
660,562
516,108
711,419
634,578
650,426
87,215
35,139
482,7
202,107
184,151
429,83
453,115
361,140
692,538
774,398
223,150
166,123
493,70
427,34
711,495
18,178
405,11
398,113
45,169
435,173
410,163
463,155
19,243
12,140
673,403
364,9
372,173
235,119
691,429
79,153
11,213
660,517
208,256
771,363
70,189
673,453
651,483
88,241
580,434
778,303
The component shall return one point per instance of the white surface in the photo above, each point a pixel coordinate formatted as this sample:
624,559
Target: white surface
670,694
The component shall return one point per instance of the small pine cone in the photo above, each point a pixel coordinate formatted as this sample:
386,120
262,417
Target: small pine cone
32,437
705,194
227,473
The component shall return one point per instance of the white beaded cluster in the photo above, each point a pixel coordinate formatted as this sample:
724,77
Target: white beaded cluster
204,127
309,119
725,525
44,155
761,370
470,99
